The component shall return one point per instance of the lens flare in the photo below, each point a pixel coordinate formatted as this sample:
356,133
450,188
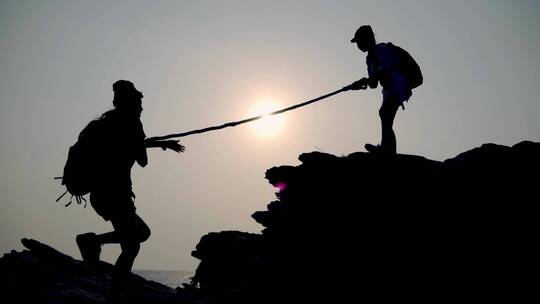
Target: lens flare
281,186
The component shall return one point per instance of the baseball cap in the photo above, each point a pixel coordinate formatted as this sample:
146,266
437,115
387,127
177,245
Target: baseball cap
362,32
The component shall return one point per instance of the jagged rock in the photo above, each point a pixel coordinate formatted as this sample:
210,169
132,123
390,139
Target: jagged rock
345,229
219,268
41,274
365,227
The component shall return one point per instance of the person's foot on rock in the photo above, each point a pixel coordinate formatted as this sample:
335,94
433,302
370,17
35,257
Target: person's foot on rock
372,148
89,247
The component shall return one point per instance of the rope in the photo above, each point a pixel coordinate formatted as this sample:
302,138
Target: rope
239,122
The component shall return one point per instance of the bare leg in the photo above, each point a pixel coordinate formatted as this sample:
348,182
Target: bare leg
387,113
130,231
141,233
108,238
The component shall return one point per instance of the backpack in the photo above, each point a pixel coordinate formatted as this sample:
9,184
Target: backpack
408,67
82,163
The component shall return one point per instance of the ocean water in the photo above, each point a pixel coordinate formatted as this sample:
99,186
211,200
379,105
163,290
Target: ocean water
171,278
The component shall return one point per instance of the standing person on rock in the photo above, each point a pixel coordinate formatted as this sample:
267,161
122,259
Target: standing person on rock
398,74
119,141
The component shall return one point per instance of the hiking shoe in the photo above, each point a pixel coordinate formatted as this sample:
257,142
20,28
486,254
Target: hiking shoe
89,247
372,148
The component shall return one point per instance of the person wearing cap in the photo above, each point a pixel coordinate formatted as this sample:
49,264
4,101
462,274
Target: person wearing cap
382,64
121,144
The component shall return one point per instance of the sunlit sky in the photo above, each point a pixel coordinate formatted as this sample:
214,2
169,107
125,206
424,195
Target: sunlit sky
203,63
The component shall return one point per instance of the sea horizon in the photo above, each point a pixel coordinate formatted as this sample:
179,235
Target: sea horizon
171,278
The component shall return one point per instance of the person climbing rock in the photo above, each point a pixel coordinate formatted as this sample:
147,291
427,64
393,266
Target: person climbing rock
117,140
398,74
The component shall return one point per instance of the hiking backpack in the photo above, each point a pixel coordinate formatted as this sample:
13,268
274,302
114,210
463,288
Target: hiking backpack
408,67
81,166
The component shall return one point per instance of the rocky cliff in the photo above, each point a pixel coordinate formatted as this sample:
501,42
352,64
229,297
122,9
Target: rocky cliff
345,229
41,274
365,227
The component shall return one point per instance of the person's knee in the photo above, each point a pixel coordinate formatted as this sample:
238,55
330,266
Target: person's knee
382,112
144,233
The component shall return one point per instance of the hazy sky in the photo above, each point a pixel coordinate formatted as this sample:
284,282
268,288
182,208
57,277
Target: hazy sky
202,63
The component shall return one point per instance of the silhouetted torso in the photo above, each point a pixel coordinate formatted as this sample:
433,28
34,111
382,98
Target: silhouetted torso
383,61
121,143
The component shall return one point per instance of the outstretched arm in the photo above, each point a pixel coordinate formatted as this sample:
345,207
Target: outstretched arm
165,144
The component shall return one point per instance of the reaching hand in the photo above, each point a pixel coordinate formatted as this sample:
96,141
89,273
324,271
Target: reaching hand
173,145
358,85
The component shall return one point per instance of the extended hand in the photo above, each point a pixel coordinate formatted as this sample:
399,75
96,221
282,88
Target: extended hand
358,85
173,145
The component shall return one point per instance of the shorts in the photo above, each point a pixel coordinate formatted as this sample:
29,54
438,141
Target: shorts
112,203
397,89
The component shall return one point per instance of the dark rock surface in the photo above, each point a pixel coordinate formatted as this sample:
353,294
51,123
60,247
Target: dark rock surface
365,227
344,230
41,274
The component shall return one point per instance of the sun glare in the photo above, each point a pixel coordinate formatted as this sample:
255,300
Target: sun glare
267,126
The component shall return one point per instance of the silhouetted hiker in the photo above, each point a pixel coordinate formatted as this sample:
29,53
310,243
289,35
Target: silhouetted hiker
398,74
121,143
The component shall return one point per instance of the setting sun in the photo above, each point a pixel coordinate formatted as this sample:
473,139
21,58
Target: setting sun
267,126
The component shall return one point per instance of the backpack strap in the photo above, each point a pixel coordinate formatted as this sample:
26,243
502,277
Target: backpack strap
78,198
60,197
